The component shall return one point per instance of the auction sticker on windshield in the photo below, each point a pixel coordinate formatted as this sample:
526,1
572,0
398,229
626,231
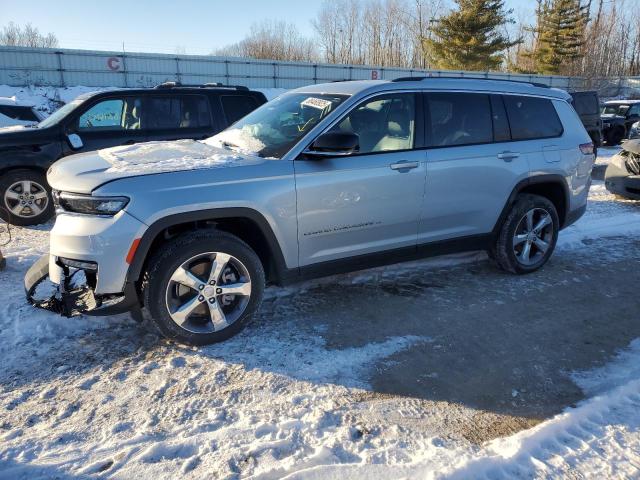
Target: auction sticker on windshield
314,102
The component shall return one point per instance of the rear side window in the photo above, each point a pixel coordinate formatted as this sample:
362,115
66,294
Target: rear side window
586,104
459,119
532,117
237,106
19,113
190,111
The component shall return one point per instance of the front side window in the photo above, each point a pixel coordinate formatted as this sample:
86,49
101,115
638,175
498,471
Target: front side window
634,110
106,115
459,119
532,117
383,124
275,127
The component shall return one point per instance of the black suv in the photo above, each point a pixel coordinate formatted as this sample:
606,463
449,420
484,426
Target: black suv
106,119
617,118
587,105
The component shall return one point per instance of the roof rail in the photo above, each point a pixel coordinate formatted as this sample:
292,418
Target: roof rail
204,85
419,79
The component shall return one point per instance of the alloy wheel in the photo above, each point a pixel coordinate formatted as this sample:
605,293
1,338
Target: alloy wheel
208,292
533,236
26,199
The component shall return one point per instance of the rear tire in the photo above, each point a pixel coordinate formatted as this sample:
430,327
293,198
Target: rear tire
528,235
194,307
25,198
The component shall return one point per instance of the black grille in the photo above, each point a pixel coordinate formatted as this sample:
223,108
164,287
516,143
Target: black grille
633,163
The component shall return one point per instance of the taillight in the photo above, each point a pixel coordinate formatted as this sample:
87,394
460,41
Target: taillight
586,148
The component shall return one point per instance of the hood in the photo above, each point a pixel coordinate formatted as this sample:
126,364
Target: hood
84,172
20,135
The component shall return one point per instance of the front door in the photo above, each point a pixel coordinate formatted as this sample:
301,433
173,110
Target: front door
109,122
365,202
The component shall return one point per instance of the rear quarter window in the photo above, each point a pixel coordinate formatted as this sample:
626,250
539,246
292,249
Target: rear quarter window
532,117
237,106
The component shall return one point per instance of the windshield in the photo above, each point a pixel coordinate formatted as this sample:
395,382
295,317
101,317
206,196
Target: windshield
59,114
615,110
274,128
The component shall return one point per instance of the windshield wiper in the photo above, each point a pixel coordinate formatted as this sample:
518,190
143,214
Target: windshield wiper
229,145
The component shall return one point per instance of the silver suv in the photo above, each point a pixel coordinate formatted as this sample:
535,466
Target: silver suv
324,179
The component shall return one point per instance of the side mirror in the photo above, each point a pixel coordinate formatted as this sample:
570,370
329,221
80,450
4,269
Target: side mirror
334,144
75,141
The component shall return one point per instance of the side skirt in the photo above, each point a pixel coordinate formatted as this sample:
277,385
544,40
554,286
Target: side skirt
388,257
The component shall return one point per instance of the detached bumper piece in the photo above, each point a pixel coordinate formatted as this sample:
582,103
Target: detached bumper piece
63,299
72,296
622,182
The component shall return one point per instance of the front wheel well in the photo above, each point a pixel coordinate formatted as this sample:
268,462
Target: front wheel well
553,191
244,228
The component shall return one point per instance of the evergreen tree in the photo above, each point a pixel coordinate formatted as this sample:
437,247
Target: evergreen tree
470,37
560,35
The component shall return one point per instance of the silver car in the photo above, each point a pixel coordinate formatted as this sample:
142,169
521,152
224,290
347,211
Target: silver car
324,179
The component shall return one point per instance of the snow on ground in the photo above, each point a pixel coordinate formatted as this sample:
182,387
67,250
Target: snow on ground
106,398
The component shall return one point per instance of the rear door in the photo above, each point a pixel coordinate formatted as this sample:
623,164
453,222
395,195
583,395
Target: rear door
108,122
175,117
472,166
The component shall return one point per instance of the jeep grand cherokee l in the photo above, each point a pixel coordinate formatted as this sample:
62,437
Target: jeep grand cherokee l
323,179
106,119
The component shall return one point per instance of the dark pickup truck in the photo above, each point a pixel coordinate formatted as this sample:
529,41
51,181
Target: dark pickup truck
617,118
107,119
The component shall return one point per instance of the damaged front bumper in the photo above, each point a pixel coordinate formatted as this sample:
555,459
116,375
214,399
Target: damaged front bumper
622,176
70,296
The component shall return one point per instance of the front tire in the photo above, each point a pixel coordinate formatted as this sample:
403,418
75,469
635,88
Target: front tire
203,287
528,235
25,198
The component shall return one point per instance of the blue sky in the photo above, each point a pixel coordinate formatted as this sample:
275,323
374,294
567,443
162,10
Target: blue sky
199,26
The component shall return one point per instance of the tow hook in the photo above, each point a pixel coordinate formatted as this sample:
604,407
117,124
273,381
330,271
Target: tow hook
63,299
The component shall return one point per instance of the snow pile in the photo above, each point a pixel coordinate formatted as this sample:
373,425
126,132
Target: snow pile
243,139
46,99
158,157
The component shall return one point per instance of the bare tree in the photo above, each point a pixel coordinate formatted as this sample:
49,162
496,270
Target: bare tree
28,36
375,32
274,40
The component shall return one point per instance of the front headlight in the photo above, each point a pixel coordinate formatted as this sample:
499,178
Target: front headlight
90,205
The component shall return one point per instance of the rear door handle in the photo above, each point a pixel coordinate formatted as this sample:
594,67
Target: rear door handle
508,156
404,165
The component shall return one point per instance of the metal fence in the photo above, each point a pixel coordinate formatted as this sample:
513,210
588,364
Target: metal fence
21,66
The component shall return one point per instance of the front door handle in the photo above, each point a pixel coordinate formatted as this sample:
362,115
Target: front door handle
508,156
404,166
